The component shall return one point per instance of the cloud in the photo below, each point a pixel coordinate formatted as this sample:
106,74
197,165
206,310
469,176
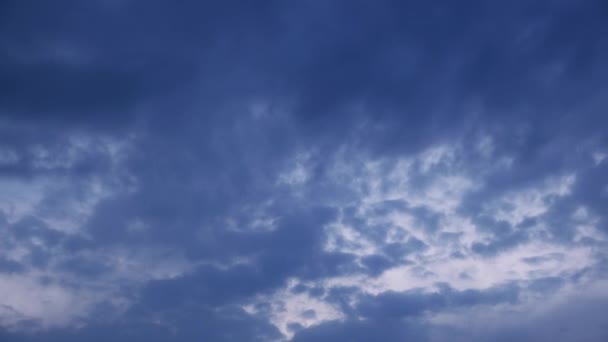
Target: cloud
319,171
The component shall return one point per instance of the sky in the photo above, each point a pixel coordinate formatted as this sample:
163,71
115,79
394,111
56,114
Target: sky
319,170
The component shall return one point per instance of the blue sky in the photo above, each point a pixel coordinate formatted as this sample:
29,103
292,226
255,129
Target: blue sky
303,170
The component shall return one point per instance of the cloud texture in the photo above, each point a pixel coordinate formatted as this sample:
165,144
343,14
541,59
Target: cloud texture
303,171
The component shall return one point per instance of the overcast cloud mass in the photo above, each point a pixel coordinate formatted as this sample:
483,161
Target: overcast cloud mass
323,170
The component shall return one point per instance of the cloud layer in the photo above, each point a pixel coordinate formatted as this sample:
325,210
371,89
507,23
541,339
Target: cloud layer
312,171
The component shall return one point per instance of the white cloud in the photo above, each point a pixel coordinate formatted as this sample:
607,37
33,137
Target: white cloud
436,181
289,307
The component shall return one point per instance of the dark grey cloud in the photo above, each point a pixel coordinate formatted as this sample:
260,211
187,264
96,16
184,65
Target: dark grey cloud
222,325
389,330
392,305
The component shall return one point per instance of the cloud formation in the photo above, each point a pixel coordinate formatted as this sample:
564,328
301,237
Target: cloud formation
313,171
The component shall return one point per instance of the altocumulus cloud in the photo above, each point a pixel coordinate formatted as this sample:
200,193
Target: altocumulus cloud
303,171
